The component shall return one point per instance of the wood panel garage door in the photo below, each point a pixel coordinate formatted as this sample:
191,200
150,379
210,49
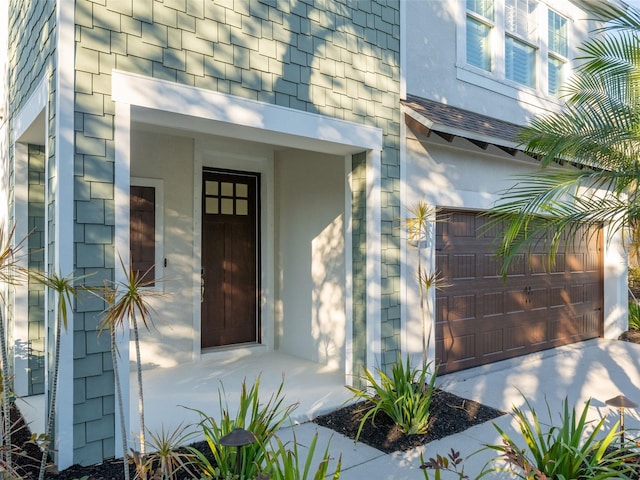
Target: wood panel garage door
481,319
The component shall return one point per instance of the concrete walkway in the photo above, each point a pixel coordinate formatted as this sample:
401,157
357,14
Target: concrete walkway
596,369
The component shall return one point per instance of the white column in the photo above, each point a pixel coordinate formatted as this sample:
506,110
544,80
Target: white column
63,235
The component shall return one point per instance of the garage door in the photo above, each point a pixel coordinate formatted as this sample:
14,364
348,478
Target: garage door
481,319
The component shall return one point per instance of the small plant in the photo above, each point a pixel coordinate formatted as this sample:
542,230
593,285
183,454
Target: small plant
570,449
405,396
167,457
450,463
284,464
260,419
634,316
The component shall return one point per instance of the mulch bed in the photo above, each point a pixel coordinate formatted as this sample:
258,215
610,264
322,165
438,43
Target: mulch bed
449,414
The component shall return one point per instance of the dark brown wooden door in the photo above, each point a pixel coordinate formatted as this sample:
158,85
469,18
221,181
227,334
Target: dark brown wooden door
481,319
229,258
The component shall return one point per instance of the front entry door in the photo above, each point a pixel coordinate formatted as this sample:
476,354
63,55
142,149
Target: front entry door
229,258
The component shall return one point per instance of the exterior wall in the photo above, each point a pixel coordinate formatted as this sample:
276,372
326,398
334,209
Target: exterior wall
311,271
336,59
31,80
170,159
432,24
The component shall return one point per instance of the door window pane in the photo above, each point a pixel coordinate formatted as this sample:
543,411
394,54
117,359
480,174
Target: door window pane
142,231
211,205
242,207
478,44
226,206
226,189
242,190
211,188
519,62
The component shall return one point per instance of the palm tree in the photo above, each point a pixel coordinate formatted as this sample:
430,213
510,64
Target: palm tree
8,270
131,303
597,138
64,289
110,294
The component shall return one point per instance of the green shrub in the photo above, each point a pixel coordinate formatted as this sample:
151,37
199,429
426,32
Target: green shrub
260,419
634,316
571,449
405,396
284,464
167,456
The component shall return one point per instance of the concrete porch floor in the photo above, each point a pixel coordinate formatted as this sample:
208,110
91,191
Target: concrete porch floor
316,388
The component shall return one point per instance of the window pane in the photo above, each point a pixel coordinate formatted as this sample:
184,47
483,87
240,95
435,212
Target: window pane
211,205
226,189
481,7
518,18
227,206
555,75
242,190
519,62
478,48
557,33
242,207
211,187
142,231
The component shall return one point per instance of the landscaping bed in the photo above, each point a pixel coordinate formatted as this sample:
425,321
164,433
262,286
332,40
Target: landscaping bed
449,414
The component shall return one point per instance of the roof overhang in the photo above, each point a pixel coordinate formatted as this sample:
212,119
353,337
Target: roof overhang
448,122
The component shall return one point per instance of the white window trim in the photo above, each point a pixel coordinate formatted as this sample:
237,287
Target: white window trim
495,79
158,184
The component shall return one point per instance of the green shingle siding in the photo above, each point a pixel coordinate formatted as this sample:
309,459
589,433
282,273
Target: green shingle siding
36,244
286,53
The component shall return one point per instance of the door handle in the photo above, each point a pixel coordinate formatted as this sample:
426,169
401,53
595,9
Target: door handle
202,285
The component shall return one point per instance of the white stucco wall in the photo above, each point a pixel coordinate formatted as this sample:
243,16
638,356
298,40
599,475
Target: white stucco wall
437,71
310,267
461,175
170,158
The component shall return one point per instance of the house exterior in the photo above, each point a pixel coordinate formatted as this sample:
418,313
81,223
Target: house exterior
248,150
257,157
461,108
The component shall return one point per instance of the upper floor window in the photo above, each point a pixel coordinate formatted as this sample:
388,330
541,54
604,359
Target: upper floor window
507,39
480,22
558,50
519,51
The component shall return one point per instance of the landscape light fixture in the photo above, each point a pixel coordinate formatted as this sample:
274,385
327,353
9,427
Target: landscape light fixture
238,437
621,402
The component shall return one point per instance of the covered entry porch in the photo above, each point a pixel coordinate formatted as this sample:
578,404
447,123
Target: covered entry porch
194,149
316,388
170,393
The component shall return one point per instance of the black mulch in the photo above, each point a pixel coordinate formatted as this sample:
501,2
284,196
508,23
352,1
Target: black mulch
449,414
